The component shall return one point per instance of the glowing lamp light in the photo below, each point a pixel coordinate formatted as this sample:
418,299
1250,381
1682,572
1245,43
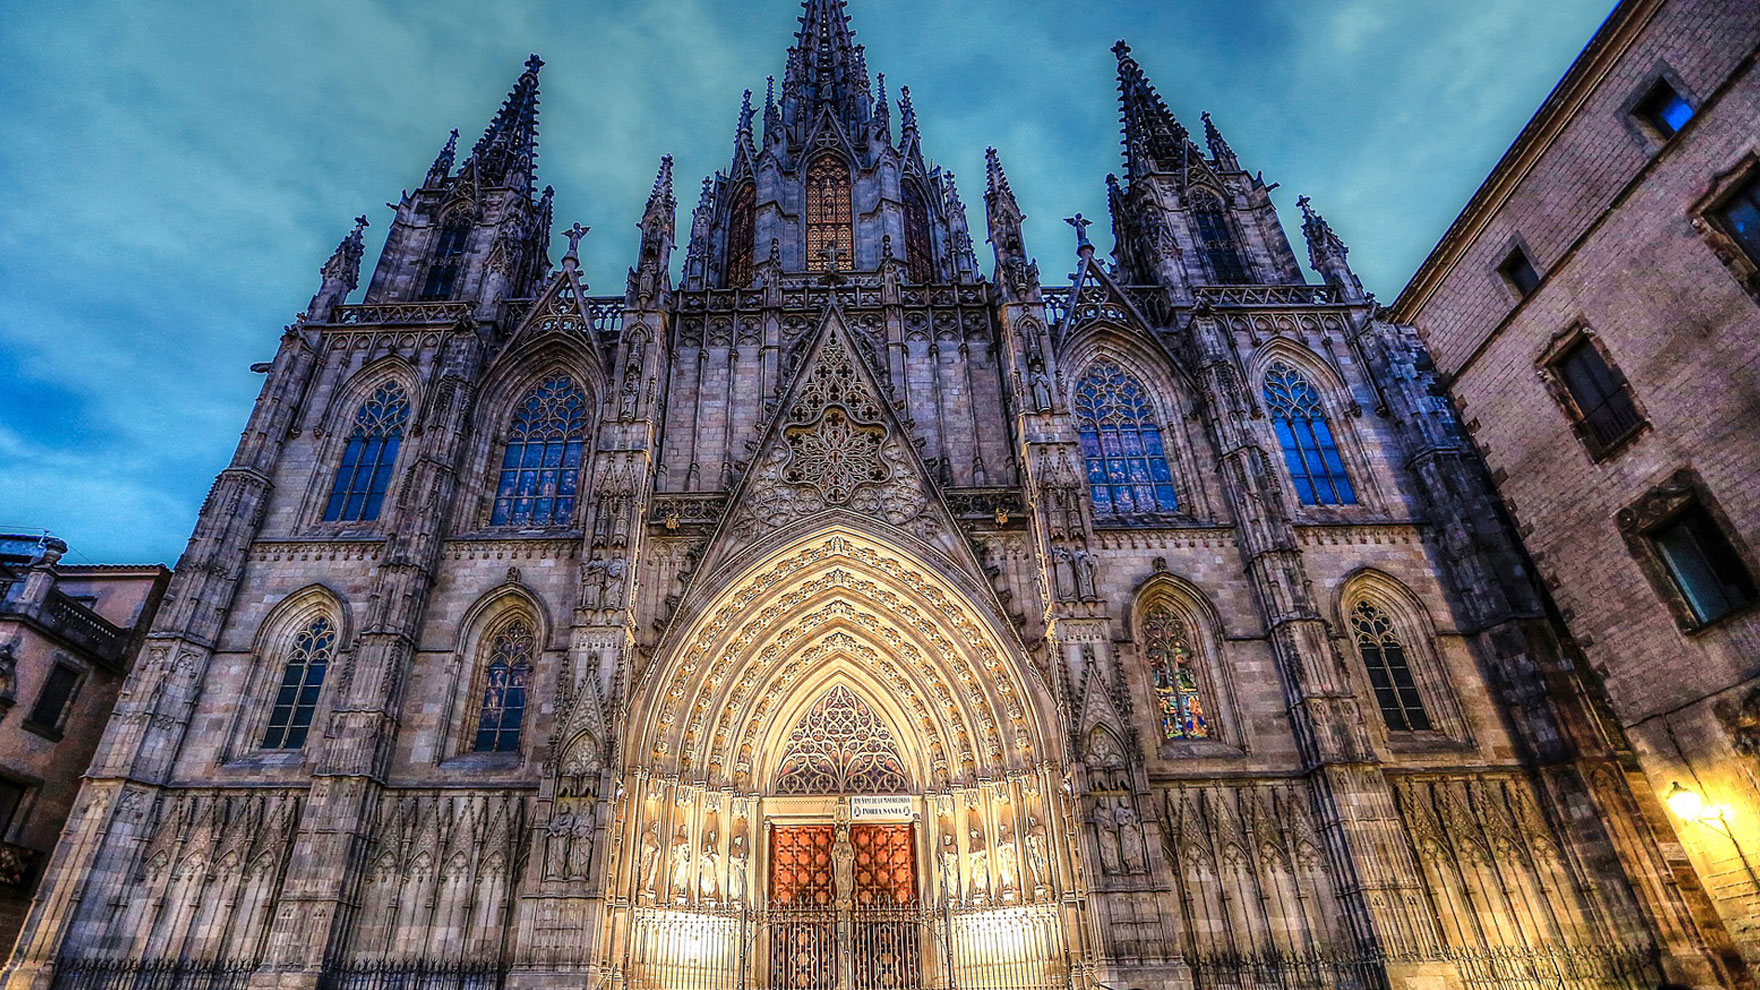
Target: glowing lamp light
1688,805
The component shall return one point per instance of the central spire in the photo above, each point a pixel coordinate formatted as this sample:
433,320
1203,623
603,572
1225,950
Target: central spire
826,68
508,148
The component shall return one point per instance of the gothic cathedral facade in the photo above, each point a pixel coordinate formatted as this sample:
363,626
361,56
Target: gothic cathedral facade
849,616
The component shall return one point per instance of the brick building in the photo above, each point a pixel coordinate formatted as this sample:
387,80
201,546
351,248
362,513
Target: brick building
68,635
1594,312
854,614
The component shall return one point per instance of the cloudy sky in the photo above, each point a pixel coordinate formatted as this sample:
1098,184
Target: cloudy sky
176,172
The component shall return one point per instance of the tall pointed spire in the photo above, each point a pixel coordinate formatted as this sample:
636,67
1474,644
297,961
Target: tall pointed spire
1153,140
507,152
1003,213
743,134
649,277
772,116
1220,152
1326,252
340,274
882,112
441,170
826,68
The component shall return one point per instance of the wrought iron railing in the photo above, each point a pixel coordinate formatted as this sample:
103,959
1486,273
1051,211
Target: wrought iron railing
414,975
154,974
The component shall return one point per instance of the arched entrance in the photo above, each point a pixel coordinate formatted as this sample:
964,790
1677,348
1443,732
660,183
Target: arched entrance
842,776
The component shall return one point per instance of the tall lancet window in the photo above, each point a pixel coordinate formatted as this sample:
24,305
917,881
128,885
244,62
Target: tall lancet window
1178,707
365,472
919,251
829,234
302,680
741,217
448,255
1222,256
1309,450
1127,462
541,467
507,673
1390,672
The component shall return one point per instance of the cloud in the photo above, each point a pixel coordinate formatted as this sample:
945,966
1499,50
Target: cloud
177,172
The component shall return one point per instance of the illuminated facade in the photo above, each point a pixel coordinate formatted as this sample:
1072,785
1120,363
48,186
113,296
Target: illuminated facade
847,616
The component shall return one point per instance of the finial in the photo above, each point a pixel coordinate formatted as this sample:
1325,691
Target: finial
745,114
360,222
1081,224
1122,50
572,259
1307,207
534,63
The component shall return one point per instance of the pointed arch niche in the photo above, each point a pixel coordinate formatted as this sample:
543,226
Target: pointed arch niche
1187,692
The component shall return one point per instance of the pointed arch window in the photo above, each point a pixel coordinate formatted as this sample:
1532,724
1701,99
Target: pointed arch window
365,472
1222,256
448,252
1309,450
741,222
541,466
507,674
829,232
302,681
919,251
1389,669
1179,708
1127,464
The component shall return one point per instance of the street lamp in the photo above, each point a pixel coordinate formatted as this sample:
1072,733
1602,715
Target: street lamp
1690,806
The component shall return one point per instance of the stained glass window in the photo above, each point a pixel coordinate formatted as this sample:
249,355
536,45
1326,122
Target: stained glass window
1390,672
919,252
1216,240
448,250
1179,709
741,217
302,680
365,472
828,215
505,679
1309,450
1127,462
541,467
840,747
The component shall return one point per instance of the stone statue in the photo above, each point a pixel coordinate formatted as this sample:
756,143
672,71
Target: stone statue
1041,385
1130,838
736,868
1106,827
1085,568
650,860
614,571
949,855
1007,865
843,859
557,840
1038,857
580,848
708,868
980,867
593,580
681,866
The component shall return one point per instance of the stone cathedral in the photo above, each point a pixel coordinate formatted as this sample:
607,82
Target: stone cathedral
855,612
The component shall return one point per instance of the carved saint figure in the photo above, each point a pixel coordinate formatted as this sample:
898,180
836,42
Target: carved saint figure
1130,838
1041,383
949,855
843,859
557,839
708,868
650,860
681,866
736,868
1038,856
1106,829
614,571
980,860
1007,864
1085,567
580,848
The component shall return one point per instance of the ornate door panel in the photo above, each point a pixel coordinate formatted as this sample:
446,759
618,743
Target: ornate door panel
803,911
885,933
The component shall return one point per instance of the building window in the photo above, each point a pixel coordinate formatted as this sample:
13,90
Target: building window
1179,708
1519,272
1127,463
919,252
1309,450
12,797
540,469
443,270
506,676
1664,109
365,472
1222,255
741,232
302,680
1598,395
1705,569
1739,216
829,235
1390,672
50,712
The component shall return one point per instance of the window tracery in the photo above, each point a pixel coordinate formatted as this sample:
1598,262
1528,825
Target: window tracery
1216,239
302,681
506,676
1309,450
918,250
840,747
365,472
1127,463
829,234
448,250
1179,705
540,468
741,223
1389,669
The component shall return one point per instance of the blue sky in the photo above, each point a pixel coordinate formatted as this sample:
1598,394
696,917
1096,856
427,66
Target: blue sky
176,172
